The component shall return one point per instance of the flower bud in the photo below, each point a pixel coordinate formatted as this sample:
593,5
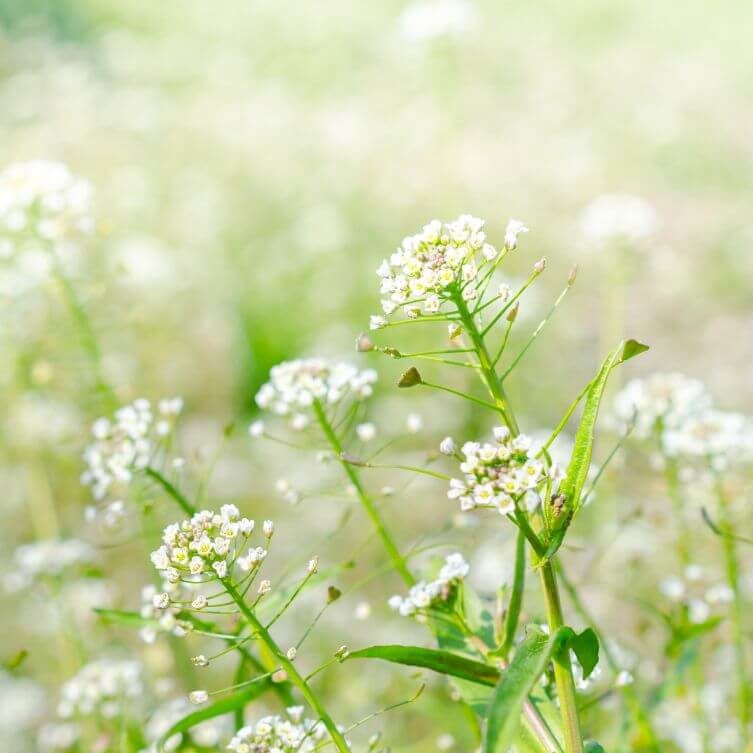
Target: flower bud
447,446
197,697
364,343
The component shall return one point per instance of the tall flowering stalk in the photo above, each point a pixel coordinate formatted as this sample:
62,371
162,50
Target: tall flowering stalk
315,389
444,273
213,548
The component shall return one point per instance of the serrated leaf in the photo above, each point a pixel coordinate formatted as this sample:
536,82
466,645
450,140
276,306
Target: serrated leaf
528,664
225,705
585,646
443,662
580,461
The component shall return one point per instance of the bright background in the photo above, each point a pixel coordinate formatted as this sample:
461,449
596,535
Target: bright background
254,161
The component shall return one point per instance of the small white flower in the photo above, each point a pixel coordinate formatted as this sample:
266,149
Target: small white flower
447,446
414,423
256,429
366,431
512,231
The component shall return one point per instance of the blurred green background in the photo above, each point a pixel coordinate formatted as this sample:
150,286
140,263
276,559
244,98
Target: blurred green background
254,161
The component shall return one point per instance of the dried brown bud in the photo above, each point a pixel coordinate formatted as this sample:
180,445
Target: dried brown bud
410,378
346,457
558,503
513,312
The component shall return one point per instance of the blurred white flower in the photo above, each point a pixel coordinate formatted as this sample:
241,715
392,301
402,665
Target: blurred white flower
618,218
294,386
425,20
424,594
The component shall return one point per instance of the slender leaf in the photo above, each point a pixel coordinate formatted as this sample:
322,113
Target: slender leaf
444,662
226,705
569,497
528,664
121,617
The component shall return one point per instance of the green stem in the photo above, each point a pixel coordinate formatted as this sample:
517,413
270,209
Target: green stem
292,673
489,375
629,695
563,673
671,473
171,489
398,562
733,580
85,331
516,597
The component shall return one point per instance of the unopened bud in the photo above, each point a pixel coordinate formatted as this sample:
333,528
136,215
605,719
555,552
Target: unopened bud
268,528
454,331
447,446
540,265
313,565
364,343
292,652
280,676
200,661
265,587
346,457
198,697
512,314
342,653
573,274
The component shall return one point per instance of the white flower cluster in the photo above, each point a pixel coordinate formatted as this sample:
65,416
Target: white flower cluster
103,687
618,218
126,443
41,199
497,473
442,258
275,734
159,607
663,398
293,386
682,410
426,593
47,558
208,544
720,436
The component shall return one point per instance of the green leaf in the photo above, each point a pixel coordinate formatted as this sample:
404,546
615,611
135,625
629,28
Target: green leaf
528,664
585,646
15,661
560,515
121,617
224,706
444,662
592,746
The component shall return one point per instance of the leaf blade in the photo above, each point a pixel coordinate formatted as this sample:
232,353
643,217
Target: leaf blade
443,662
505,707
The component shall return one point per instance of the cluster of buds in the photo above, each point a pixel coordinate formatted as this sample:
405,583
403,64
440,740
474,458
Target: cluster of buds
442,257
208,545
426,594
275,734
126,443
294,386
159,607
497,474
